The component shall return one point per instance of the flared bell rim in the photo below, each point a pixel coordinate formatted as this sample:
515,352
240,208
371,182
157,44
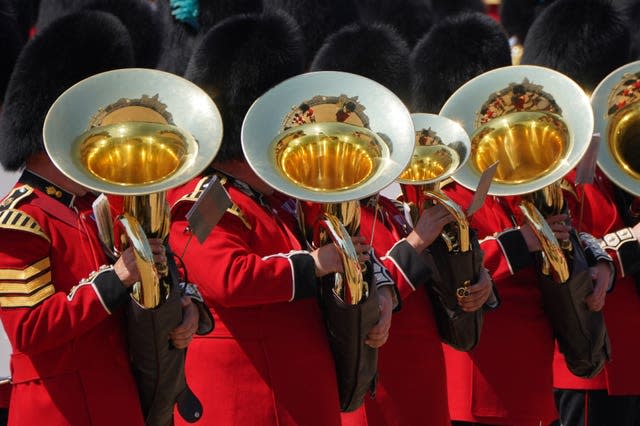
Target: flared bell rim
570,97
599,103
191,108
450,132
388,117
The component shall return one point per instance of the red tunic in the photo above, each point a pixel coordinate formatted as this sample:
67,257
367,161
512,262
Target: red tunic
412,387
507,378
621,376
268,361
69,364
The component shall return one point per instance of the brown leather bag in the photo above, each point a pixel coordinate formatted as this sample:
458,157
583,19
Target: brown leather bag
581,334
347,328
457,328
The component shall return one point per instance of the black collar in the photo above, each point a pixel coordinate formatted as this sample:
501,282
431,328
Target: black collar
48,188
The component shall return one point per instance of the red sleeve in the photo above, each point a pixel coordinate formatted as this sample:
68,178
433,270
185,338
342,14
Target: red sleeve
230,272
36,315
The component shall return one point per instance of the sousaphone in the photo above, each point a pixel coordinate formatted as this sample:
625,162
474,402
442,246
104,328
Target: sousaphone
333,138
538,123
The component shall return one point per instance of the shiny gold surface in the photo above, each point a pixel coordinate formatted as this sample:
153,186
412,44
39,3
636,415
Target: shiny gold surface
624,139
554,261
329,156
134,153
430,162
528,145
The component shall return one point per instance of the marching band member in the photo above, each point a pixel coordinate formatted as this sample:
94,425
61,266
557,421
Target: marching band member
587,40
268,361
61,302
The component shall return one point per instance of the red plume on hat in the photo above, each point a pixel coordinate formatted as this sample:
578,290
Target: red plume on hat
71,49
241,58
11,43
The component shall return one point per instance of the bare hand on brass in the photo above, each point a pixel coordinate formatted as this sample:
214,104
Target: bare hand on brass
379,333
429,227
477,294
126,268
159,256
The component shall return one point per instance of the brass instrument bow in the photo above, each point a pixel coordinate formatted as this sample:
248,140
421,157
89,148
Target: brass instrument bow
538,123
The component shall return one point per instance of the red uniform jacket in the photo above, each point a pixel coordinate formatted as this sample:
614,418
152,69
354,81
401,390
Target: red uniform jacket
268,361
412,387
507,378
621,376
69,364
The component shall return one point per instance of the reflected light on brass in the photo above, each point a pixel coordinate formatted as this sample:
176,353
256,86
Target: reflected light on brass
528,145
430,162
329,156
135,153
624,142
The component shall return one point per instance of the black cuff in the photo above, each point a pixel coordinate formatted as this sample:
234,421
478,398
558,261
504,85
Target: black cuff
515,249
304,276
627,247
109,287
413,264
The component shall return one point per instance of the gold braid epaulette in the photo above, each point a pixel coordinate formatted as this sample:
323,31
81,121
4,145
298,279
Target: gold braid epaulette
12,218
199,189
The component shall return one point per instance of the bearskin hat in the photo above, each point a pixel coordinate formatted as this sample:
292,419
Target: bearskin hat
241,58
138,16
184,20
444,8
453,52
375,51
412,18
11,43
584,39
88,42
516,16
317,19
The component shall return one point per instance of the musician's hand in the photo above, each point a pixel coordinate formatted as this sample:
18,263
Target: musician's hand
379,333
429,227
158,250
182,335
558,225
327,258
126,268
478,293
601,276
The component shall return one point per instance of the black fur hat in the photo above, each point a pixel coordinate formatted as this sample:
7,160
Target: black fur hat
444,8
26,13
516,16
139,16
412,18
238,60
375,51
180,34
69,50
453,52
318,19
584,39
11,43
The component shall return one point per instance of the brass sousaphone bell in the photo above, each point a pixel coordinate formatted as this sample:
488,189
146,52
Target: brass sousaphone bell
135,133
538,123
617,119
